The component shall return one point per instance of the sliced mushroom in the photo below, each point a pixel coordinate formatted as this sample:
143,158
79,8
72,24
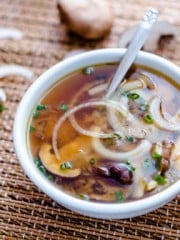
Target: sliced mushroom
148,82
90,19
51,163
159,29
131,85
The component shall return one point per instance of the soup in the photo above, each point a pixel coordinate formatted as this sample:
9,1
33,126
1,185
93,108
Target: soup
108,150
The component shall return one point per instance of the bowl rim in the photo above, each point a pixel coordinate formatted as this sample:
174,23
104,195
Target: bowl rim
20,136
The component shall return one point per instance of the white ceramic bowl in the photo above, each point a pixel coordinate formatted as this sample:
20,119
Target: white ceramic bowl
20,133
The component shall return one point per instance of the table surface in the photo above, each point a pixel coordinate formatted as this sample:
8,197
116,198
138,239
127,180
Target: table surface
26,212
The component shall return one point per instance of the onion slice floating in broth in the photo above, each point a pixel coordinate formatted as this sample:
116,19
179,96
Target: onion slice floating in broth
138,151
155,111
94,134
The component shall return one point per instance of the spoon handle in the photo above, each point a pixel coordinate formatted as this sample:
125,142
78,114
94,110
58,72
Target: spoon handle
136,44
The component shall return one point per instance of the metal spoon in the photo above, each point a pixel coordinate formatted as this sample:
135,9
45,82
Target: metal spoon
136,44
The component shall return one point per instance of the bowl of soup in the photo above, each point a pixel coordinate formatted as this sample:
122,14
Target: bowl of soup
110,158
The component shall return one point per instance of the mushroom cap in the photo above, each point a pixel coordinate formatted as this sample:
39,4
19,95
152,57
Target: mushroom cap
90,19
51,163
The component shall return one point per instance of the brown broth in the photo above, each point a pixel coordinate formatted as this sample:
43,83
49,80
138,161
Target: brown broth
90,185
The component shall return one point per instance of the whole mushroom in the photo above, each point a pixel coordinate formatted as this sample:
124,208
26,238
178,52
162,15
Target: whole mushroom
90,19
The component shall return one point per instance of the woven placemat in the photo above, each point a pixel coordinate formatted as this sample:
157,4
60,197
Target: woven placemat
26,212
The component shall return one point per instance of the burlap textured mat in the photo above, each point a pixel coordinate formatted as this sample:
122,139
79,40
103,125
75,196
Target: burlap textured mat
25,212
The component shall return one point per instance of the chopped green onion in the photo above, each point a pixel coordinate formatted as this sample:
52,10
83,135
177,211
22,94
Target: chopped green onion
42,169
131,168
148,119
63,107
147,163
119,196
116,136
50,177
82,196
92,161
2,108
32,129
37,161
130,138
160,179
157,156
65,165
133,96
144,107
88,70
35,114
40,107
39,165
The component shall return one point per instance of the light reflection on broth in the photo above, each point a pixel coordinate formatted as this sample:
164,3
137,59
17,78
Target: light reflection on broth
138,153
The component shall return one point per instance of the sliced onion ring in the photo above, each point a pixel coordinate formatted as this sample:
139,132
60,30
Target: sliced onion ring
138,151
13,69
155,111
106,103
11,33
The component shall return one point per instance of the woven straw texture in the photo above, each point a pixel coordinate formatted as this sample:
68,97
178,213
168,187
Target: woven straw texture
26,212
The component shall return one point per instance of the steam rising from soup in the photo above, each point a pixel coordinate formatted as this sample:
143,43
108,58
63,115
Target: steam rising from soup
108,150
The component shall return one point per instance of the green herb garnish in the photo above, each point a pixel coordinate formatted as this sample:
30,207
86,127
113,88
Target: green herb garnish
133,96
92,161
2,108
40,107
130,138
82,196
157,156
63,107
35,114
131,168
32,129
37,161
119,196
148,119
147,163
88,70
39,165
160,179
42,169
50,177
65,166
144,107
